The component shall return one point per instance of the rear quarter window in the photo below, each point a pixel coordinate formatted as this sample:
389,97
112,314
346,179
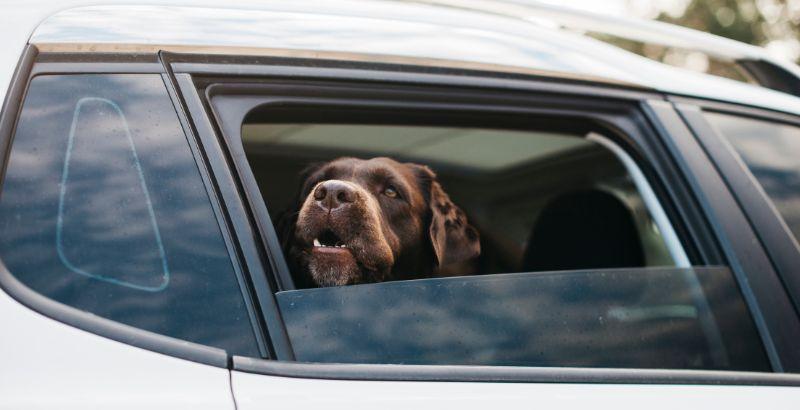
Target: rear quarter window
103,208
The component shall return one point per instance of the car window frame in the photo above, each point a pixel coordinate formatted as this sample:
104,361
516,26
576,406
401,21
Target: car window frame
760,282
781,244
33,63
251,91
662,168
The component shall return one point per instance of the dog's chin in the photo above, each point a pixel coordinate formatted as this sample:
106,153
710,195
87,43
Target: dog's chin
333,267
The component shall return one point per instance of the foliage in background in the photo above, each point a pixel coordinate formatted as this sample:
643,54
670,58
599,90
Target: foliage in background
774,24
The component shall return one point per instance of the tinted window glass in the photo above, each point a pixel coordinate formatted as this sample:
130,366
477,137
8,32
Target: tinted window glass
103,208
640,318
771,151
577,224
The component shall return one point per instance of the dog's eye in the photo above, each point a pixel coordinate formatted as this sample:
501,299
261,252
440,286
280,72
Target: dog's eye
391,192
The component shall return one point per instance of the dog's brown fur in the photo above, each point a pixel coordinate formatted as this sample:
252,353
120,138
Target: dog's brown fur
416,233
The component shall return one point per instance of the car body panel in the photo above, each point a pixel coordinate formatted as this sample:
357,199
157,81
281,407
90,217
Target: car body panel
376,31
49,364
385,30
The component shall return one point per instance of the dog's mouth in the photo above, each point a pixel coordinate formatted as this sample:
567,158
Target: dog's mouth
329,242
341,251
331,261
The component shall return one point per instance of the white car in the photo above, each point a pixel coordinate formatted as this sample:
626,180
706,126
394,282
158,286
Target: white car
638,222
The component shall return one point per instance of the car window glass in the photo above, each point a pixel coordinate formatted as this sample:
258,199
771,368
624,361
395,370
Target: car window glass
103,208
573,270
635,318
771,152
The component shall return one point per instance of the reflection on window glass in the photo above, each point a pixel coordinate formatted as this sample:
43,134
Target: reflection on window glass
630,318
103,209
771,151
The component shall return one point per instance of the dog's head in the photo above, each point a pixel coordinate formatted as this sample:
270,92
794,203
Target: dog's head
362,221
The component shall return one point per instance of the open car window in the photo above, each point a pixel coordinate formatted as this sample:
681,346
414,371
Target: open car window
504,180
578,266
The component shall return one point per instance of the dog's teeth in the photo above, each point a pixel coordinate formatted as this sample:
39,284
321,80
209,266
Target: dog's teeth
319,244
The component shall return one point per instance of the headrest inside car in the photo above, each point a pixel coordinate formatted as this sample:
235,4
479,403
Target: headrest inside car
583,230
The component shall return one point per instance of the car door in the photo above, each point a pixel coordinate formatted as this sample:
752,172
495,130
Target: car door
702,317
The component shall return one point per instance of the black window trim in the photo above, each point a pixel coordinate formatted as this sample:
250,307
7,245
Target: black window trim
759,282
224,227
239,218
776,237
207,71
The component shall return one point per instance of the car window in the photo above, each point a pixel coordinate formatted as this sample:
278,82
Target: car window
103,208
628,318
572,267
771,151
502,179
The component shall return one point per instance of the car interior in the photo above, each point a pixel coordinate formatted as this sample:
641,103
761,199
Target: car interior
541,200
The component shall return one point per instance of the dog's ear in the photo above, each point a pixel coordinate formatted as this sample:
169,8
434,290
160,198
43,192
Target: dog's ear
454,240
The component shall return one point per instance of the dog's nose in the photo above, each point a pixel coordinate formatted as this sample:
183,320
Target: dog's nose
332,194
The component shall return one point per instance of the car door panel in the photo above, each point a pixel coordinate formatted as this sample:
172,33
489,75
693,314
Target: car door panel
56,365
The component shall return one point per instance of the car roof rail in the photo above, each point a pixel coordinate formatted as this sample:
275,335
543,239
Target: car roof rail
766,70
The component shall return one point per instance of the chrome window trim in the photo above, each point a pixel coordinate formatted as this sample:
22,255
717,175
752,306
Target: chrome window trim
508,374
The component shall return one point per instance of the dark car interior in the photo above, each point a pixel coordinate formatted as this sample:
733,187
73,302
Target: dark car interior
540,200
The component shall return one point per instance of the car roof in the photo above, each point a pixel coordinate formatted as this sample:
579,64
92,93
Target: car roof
411,32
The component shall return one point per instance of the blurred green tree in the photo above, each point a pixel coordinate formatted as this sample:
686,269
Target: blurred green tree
736,19
771,23
774,24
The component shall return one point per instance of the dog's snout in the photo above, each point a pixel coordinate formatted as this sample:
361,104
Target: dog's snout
333,194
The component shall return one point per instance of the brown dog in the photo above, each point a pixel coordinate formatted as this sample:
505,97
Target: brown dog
363,221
